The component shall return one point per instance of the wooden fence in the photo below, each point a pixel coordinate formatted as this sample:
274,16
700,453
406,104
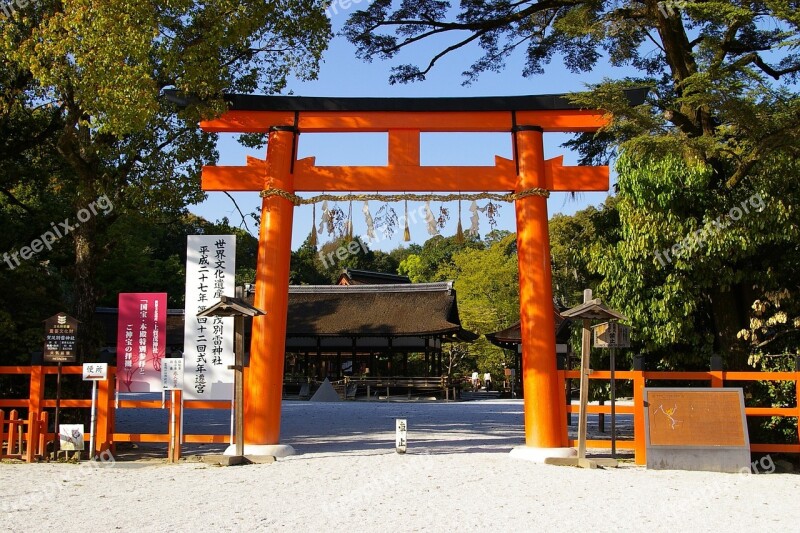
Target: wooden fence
105,436
715,378
31,434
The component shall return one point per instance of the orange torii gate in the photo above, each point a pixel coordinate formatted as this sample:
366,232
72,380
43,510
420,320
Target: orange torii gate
282,175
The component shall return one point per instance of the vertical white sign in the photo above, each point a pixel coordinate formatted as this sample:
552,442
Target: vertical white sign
172,373
401,435
208,342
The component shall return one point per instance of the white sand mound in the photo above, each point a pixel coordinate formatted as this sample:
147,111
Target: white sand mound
326,393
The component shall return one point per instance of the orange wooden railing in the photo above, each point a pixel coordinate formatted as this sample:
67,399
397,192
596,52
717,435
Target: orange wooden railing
22,439
34,429
106,437
716,378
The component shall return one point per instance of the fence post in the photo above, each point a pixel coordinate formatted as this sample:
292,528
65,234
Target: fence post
797,389
562,393
43,429
640,451
36,394
2,430
13,416
104,429
33,436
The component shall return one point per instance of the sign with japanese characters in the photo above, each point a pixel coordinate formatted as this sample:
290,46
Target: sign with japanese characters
208,341
95,371
612,335
141,341
401,435
60,332
172,373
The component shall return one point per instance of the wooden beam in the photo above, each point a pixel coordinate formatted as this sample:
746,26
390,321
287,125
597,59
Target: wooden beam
402,175
570,120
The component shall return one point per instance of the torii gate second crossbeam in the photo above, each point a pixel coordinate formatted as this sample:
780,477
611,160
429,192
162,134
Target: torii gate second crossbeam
527,118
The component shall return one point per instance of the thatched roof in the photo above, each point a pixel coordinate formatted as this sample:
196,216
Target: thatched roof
352,276
369,310
418,310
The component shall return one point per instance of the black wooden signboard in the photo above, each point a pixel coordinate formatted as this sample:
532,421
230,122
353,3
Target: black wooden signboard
60,332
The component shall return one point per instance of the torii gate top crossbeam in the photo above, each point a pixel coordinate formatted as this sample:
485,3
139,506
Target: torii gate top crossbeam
404,119
554,112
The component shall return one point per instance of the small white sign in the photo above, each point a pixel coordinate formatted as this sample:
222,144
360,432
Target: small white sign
172,373
401,434
70,437
95,371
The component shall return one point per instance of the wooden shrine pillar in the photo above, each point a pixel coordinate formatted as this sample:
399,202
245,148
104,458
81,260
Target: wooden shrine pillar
544,428
263,388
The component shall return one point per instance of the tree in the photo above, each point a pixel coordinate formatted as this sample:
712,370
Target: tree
487,284
722,110
433,261
92,74
572,238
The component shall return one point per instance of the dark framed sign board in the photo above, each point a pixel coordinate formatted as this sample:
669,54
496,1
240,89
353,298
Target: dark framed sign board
60,333
696,429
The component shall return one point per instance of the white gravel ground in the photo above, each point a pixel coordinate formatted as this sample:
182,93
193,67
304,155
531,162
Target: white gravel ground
457,475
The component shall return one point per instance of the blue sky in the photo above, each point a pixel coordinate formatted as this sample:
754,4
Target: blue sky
342,74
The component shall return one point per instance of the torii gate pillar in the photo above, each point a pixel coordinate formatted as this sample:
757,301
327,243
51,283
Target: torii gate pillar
544,426
264,383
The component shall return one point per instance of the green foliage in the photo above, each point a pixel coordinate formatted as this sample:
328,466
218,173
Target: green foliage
82,86
157,248
487,285
572,238
324,266
435,259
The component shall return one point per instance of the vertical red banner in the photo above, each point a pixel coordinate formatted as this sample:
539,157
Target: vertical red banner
141,341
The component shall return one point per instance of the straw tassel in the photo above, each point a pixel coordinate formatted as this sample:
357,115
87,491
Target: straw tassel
459,229
313,236
406,231
349,225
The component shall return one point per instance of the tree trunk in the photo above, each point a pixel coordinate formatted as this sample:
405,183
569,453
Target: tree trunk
729,312
84,238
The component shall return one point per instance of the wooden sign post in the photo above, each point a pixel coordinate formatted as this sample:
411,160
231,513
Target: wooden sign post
94,372
239,309
401,435
587,311
61,332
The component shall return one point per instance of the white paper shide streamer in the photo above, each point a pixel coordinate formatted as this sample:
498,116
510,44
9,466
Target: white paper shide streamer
431,221
474,219
369,221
